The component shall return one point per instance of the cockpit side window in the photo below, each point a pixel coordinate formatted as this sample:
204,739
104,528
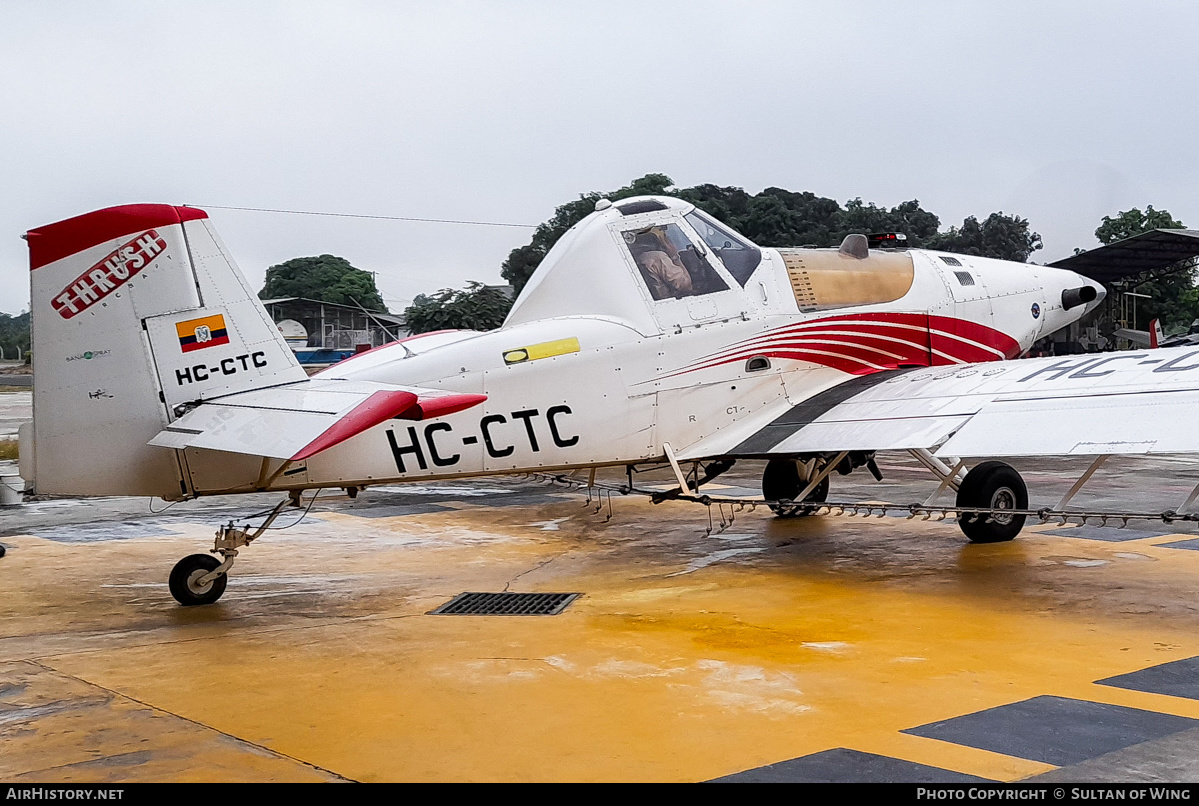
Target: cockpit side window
670,264
738,255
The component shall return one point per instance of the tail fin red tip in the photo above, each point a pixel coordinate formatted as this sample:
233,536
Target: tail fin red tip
64,238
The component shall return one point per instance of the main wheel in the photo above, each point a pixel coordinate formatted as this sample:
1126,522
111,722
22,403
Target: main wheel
781,482
185,576
992,485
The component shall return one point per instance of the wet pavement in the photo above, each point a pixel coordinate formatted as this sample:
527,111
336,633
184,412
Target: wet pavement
820,648
15,408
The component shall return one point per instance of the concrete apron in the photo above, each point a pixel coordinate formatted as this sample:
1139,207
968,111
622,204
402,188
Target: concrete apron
688,658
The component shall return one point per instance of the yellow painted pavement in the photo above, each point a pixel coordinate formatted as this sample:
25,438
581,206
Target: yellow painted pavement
688,657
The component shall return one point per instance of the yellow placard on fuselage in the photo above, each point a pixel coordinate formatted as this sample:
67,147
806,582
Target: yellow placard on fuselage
547,349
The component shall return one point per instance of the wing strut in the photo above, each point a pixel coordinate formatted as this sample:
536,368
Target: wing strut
949,478
674,465
828,468
1190,499
1099,460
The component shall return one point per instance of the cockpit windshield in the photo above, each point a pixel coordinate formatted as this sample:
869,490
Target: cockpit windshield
739,256
670,264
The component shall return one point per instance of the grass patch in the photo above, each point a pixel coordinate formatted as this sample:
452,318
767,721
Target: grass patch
8,450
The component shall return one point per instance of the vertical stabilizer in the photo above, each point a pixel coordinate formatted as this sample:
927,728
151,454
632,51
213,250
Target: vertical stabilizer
136,311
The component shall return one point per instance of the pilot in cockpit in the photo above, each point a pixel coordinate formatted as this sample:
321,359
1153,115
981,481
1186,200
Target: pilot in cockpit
670,264
665,276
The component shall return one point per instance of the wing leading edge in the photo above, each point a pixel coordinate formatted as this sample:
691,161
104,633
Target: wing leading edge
1114,403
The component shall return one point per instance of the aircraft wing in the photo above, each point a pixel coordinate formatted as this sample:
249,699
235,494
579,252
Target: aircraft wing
1111,403
299,420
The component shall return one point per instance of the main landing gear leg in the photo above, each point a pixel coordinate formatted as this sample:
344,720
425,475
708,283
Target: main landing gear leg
200,579
994,486
784,480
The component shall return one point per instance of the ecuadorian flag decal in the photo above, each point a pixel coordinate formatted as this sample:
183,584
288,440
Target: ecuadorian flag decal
196,334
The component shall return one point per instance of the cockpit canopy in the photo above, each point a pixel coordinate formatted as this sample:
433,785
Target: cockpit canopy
739,256
654,262
670,263
658,263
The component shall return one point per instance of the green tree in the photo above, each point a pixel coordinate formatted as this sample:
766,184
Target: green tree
1173,298
1133,222
785,218
774,217
14,335
477,307
727,204
524,260
999,236
918,224
327,278
778,217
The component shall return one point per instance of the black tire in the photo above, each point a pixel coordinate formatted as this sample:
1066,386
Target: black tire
781,482
183,586
992,485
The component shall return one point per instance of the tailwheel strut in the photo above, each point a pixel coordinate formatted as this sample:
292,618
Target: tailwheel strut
200,579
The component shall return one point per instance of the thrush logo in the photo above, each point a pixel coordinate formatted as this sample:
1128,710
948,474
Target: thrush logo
196,334
109,274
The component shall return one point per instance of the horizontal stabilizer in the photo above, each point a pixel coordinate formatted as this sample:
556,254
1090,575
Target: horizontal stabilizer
300,420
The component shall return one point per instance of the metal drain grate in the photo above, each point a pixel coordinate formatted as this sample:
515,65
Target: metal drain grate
506,604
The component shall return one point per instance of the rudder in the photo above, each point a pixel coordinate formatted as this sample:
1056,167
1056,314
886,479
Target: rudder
138,311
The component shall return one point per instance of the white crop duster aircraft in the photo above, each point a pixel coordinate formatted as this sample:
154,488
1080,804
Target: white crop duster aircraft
651,333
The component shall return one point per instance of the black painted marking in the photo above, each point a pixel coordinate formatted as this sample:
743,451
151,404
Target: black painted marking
1190,545
506,604
843,765
1055,730
1108,534
1150,361
469,440
794,420
1178,678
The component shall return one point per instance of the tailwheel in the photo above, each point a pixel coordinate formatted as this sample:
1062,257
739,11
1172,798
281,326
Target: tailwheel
996,486
783,481
189,580
200,579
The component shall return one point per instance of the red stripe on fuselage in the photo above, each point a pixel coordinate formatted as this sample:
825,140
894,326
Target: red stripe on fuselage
852,343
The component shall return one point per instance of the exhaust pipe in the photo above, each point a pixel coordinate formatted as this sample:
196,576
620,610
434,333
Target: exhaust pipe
1073,297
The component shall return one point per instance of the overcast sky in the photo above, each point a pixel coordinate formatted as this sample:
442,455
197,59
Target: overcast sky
1058,112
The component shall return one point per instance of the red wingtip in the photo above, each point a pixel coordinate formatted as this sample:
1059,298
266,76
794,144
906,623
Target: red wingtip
427,408
377,408
64,238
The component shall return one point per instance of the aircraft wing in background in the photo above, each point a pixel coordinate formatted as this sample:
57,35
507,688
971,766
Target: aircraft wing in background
1111,403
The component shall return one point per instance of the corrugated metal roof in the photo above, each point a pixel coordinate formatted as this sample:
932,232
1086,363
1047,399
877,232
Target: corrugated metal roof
1157,249
390,318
